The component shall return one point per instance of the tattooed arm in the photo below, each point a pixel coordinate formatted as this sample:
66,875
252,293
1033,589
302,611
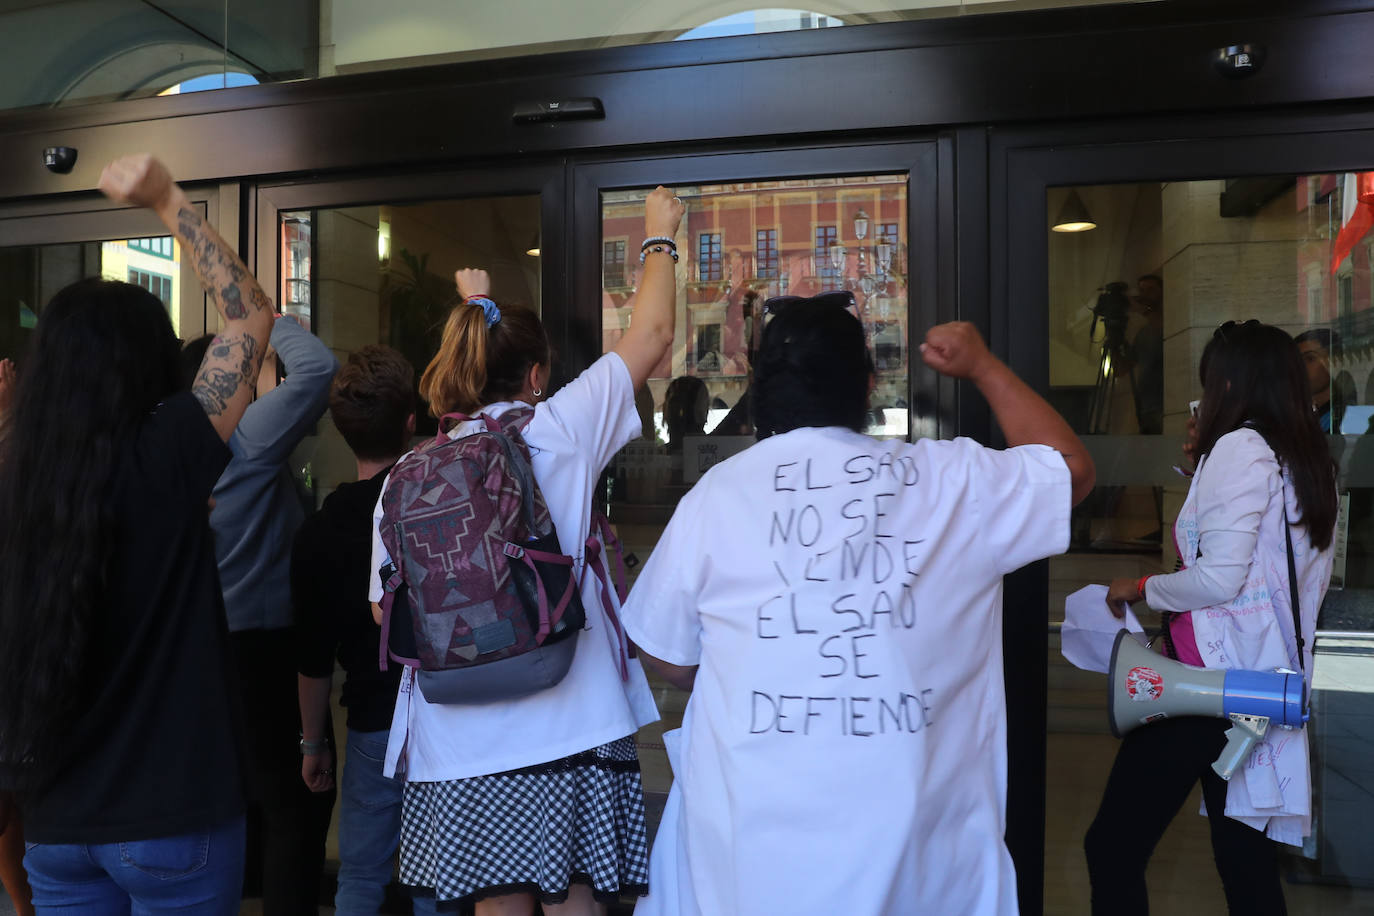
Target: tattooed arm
229,372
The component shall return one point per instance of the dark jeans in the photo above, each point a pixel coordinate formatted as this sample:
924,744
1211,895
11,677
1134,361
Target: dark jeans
1155,770
287,823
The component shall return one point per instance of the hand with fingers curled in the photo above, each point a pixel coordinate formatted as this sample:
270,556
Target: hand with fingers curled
957,350
472,281
317,770
140,180
662,213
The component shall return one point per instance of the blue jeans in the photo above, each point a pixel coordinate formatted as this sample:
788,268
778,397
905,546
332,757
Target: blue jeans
197,873
369,828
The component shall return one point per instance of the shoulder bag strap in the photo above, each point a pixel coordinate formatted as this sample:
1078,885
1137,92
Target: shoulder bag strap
1293,586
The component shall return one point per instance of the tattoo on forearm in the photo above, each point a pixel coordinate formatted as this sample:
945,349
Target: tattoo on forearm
233,302
231,363
213,389
219,269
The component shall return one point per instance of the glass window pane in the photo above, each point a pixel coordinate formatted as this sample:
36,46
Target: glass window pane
741,243
1134,297
369,36
68,52
31,275
384,274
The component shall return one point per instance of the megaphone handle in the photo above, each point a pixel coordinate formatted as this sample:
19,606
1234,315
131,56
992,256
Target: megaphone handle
1240,741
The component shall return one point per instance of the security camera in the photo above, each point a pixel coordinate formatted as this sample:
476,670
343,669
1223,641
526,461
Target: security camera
59,159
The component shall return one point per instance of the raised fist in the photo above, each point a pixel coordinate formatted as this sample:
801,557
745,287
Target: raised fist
140,180
472,281
956,349
662,212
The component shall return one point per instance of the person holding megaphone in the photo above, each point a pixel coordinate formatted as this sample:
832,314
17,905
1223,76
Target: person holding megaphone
1262,502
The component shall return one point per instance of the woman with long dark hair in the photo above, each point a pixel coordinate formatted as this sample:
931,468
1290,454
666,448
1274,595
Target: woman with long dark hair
538,796
118,738
1264,477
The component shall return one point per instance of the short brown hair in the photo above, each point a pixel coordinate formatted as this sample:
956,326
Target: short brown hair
372,400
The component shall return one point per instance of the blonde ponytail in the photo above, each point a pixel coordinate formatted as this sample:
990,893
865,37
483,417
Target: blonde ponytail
454,379
479,364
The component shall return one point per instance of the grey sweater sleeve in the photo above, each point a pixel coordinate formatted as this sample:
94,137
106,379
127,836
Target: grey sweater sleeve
276,422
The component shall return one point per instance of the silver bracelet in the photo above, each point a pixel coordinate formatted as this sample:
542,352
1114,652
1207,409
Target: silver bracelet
313,748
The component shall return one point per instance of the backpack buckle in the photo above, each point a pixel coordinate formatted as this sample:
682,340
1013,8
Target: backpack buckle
514,551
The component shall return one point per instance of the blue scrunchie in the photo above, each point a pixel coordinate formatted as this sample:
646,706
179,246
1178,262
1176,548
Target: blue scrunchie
489,309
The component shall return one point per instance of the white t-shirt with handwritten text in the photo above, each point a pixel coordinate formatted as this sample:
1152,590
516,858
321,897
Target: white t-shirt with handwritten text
844,746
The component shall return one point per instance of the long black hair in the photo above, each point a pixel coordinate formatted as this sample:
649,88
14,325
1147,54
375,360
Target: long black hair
103,356
1253,373
813,367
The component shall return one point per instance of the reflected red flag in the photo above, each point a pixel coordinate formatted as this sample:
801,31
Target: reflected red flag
1359,220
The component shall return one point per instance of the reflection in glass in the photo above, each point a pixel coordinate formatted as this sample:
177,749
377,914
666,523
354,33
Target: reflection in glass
68,52
384,274
1131,306
31,275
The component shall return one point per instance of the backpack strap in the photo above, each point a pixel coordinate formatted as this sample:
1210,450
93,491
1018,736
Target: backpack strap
548,617
616,633
389,587
601,525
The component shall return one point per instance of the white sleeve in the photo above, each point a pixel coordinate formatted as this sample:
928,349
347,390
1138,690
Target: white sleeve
1024,496
596,410
380,557
660,614
1232,492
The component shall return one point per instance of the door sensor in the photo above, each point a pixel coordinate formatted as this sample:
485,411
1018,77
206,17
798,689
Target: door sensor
558,110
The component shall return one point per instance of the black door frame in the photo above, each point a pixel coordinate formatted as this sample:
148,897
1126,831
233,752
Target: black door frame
1022,166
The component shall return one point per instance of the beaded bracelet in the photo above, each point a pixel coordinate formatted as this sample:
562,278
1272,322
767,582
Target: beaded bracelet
644,252
655,239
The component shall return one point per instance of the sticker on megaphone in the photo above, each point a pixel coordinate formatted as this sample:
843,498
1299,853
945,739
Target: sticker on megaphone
1146,687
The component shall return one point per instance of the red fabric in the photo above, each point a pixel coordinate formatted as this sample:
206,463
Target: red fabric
1359,223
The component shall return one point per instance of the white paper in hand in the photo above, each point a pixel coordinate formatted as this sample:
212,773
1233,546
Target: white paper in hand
1090,629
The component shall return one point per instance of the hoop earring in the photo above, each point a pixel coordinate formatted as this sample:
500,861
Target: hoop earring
538,392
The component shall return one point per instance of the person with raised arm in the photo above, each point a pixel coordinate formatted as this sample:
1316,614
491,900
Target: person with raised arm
119,737
844,747
538,797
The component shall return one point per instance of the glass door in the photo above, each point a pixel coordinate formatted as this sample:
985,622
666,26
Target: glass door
372,261
770,224
1132,283
44,250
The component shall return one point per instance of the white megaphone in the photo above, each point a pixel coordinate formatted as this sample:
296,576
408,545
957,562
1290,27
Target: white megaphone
1144,686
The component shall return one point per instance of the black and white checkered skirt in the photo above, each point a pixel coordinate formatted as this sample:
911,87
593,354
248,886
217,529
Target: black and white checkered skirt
535,830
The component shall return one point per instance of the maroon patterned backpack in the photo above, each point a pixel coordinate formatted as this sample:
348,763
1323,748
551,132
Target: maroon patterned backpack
479,596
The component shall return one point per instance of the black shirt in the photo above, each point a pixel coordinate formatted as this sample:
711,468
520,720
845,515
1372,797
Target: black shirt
156,752
329,583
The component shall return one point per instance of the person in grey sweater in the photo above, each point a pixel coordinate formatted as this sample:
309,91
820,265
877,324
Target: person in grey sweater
256,511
